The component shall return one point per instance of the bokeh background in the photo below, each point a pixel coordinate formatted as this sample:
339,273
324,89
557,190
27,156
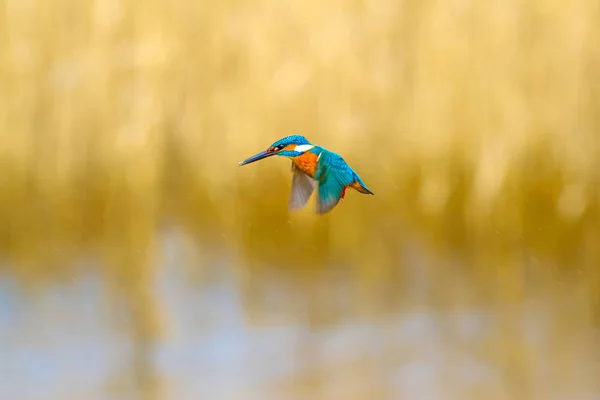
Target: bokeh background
138,261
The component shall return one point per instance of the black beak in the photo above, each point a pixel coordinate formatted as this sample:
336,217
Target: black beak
256,157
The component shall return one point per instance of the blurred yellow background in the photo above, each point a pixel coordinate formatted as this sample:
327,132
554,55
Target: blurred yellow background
124,217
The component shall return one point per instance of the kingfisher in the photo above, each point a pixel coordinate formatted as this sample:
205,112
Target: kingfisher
313,166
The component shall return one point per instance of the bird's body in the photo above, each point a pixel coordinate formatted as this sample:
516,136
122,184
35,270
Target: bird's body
314,166
307,162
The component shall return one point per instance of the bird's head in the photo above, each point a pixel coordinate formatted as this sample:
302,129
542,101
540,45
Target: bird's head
289,146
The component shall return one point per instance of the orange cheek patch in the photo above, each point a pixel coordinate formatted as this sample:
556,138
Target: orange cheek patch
290,147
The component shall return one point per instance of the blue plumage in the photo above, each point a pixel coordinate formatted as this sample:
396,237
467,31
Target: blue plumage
292,139
314,167
334,175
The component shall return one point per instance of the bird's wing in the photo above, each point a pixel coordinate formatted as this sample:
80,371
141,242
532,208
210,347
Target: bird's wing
302,188
333,175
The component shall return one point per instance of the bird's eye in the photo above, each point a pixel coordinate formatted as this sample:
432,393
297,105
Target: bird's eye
280,147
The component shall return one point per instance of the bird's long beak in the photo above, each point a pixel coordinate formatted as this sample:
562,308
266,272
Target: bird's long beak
256,157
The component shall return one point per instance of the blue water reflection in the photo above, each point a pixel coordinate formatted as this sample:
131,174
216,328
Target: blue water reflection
65,343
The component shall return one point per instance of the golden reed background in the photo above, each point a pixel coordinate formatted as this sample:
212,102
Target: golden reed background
475,123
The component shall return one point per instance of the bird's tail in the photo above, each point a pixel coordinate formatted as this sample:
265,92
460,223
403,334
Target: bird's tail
360,186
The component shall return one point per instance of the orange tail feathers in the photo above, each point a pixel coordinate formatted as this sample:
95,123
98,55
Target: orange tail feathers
360,188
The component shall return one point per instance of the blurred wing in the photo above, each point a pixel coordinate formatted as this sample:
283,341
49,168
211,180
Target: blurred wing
302,188
330,192
333,176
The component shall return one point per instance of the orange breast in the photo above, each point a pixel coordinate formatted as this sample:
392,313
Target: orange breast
307,163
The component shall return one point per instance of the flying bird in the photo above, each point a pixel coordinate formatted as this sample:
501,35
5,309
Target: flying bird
314,166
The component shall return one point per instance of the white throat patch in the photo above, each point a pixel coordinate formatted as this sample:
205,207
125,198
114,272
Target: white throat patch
301,148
